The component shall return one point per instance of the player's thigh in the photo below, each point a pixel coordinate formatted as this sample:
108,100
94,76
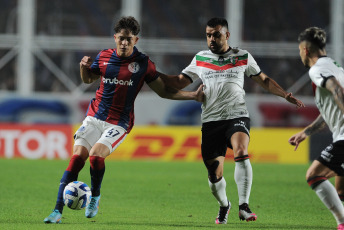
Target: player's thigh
111,138
213,140
319,169
331,160
88,133
238,135
82,151
240,141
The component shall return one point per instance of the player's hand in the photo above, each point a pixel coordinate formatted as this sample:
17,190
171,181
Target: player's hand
296,139
86,61
200,94
289,97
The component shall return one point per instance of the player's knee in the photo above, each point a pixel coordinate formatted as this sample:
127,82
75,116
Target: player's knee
309,175
81,151
314,178
100,150
214,174
239,152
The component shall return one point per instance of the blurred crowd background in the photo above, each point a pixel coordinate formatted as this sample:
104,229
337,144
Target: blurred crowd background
263,21
172,32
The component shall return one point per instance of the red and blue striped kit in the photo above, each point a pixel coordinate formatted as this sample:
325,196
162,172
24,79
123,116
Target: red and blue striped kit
121,81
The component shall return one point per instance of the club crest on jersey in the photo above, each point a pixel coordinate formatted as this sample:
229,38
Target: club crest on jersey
233,60
134,67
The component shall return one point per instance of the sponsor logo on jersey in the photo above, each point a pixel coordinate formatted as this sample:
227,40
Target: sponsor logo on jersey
220,73
117,82
134,67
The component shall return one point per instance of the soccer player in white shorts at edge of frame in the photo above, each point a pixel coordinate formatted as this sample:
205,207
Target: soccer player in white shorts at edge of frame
110,116
328,81
225,119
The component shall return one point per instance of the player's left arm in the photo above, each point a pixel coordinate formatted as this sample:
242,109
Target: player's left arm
273,87
337,91
159,87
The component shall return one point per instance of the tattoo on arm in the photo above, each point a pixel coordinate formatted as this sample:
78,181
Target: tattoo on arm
316,126
339,96
337,91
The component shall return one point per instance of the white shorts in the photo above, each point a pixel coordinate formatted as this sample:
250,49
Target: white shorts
94,131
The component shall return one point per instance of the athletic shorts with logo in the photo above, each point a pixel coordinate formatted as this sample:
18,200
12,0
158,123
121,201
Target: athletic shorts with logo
333,157
216,136
94,131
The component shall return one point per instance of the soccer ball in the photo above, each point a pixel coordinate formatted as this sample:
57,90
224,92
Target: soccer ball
77,195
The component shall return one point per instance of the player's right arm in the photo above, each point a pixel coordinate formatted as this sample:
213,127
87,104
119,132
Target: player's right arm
175,81
85,71
337,91
317,125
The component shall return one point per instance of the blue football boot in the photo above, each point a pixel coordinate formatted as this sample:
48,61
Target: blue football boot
54,217
92,207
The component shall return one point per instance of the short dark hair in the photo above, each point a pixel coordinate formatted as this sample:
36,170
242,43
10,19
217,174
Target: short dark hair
314,35
127,23
217,21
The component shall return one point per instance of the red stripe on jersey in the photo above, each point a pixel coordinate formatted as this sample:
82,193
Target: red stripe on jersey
119,97
118,140
94,106
150,68
225,67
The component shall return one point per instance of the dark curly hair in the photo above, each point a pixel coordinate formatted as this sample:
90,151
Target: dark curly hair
315,36
128,23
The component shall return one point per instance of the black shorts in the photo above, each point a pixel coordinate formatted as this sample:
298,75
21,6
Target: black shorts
333,157
216,136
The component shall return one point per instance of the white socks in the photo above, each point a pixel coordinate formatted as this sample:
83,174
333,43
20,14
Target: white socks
328,195
219,191
243,178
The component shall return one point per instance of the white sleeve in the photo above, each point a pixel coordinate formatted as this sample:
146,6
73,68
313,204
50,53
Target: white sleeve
192,70
319,75
252,66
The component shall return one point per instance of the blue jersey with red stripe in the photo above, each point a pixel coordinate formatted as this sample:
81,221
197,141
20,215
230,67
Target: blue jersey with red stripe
121,81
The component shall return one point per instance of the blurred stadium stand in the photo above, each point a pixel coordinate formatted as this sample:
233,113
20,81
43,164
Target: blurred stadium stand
42,42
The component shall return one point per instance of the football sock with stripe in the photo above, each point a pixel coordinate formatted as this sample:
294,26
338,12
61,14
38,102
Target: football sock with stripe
76,163
243,178
218,189
97,171
328,195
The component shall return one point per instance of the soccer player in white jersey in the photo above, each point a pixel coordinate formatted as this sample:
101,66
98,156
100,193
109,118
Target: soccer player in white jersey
328,81
225,119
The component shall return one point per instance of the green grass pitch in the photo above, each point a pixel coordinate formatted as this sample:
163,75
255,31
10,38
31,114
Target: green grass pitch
159,195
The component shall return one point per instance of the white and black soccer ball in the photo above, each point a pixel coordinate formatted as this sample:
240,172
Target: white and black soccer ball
77,195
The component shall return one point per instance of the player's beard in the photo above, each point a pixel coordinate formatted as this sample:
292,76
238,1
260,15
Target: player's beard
215,49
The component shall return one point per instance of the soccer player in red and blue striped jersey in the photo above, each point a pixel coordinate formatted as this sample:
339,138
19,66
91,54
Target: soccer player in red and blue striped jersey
110,115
